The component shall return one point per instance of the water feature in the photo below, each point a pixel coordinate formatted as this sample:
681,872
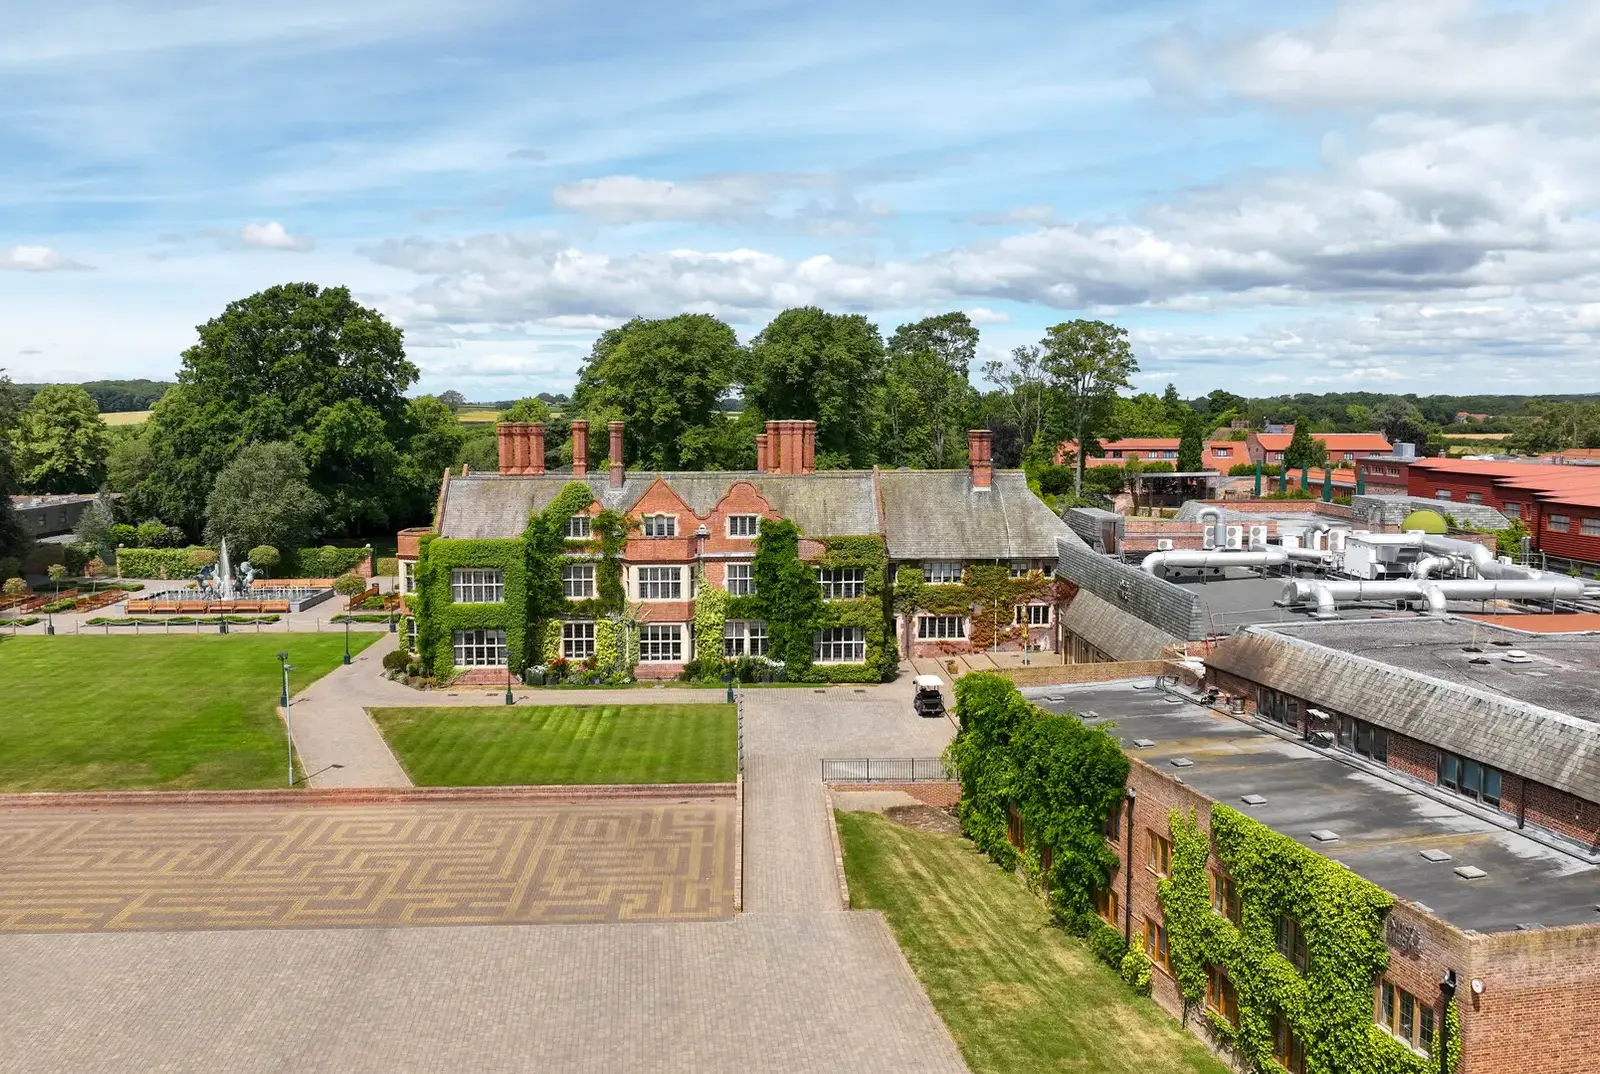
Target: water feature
226,569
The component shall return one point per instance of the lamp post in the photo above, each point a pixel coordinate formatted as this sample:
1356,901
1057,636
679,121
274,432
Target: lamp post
288,723
509,699
347,639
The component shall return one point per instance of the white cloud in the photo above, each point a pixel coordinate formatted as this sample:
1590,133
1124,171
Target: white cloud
36,259
273,236
630,198
982,315
1384,54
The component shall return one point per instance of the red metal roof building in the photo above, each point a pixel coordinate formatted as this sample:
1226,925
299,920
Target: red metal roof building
1560,504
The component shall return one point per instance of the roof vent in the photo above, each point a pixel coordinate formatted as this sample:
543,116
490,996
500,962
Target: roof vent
1182,762
1517,656
1528,926
1144,743
1479,660
1169,699
1470,872
1435,855
1252,799
1325,835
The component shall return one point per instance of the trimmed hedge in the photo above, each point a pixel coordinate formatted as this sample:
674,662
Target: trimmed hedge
164,563
329,561
389,566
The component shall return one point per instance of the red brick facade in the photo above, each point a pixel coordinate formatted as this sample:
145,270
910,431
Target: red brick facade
1414,758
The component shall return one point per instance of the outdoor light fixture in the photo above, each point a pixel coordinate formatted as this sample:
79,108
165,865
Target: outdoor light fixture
1477,987
288,723
347,640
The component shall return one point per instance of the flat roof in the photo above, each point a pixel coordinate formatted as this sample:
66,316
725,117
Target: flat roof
1562,673
1384,822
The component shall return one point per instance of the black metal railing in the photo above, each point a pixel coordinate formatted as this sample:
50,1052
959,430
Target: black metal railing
884,770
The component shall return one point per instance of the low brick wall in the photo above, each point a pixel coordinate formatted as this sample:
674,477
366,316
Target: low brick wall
356,796
1071,673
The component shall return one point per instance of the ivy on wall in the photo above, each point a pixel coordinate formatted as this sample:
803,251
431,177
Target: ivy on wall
786,595
1330,1006
987,594
873,612
438,617
710,617
1063,778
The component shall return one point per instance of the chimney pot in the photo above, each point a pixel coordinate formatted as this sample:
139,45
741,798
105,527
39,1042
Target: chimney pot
808,447
979,443
536,448
519,447
761,452
502,433
580,447
774,447
617,475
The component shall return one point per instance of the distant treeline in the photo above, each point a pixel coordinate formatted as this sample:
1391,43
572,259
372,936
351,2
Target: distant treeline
1347,410
113,396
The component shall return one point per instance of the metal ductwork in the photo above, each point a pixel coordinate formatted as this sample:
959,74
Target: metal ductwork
1310,555
1265,557
1421,568
1483,560
1329,594
1219,528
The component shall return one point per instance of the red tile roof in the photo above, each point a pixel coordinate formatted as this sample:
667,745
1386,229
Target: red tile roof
1332,441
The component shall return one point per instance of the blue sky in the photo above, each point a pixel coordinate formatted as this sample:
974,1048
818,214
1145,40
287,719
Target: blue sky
1270,196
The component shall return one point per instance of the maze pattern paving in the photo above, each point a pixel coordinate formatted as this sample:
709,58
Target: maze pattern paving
353,866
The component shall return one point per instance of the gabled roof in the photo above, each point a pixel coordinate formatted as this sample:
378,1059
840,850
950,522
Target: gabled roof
1332,441
936,514
923,514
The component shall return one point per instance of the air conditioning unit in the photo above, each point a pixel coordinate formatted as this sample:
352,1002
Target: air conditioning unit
1163,544
1235,537
1336,539
1258,536
1208,538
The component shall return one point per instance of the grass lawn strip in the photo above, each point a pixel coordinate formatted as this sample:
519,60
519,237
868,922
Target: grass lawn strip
187,712
1017,994
563,744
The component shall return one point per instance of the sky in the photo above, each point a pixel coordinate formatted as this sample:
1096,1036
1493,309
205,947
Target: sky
1270,197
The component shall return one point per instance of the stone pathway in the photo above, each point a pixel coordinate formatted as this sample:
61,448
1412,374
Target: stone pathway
331,725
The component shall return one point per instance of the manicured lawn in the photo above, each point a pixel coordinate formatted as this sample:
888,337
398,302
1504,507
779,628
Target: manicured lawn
525,745
175,713
1018,995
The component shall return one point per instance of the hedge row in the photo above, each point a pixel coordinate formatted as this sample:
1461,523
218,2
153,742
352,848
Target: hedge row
329,561
165,563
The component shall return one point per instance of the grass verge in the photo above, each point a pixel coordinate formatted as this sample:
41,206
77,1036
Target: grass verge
170,713
460,746
1017,993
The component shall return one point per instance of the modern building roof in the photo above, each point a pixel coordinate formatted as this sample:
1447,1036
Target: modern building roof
1332,441
922,514
1383,820
1416,677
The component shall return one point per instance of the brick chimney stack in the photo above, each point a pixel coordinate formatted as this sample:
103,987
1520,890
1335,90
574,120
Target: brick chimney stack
535,448
580,447
502,435
808,447
761,452
774,447
978,456
519,447
615,429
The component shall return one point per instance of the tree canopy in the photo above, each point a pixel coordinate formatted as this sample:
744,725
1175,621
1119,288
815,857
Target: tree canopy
1089,362
665,379
809,364
1304,449
264,496
61,442
927,401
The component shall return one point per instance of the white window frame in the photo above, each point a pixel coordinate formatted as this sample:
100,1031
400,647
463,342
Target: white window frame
411,634
577,580
745,584
661,643
842,583
404,575
839,645
941,628
745,637
477,585
750,522
1020,569
577,639
943,572
659,583
579,528
659,525
487,646
1028,613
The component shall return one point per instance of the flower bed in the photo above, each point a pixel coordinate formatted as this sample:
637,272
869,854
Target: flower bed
183,620
27,620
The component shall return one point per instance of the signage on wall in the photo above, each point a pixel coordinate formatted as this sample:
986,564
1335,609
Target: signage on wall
1404,938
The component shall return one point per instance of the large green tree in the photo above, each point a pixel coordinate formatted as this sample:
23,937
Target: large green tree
665,379
61,441
927,400
297,363
14,540
1304,449
1017,410
434,438
1401,422
264,496
809,364
1088,362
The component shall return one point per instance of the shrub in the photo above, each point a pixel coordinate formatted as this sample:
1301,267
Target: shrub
389,566
124,535
329,561
200,558
1135,967
1248,469
396,661
156,534
14,587
94,568
264,556
1107,944
65,605
154,562
10,567
57,572
76,556
349,585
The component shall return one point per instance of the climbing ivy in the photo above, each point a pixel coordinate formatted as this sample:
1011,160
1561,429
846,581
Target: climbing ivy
545,547
787,595
438,617
1330,1006
710,617
987,594
1063,777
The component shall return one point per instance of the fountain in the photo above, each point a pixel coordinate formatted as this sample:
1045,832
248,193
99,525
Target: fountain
226,570
221,589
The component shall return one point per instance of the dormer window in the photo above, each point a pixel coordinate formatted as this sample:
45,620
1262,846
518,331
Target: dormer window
743,525
578,528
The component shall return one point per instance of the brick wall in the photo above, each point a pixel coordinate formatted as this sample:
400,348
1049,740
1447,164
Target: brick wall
1540,1001
1299,507
1413,757
1560,812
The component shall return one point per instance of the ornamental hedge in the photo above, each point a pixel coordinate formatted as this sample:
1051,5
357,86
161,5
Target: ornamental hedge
1063,777
329,561
166,563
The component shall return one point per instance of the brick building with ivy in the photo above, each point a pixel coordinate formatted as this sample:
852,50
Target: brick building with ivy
817,575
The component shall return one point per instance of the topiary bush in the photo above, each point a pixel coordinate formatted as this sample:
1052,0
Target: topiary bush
264,556
15,587
349,585
396,660
199,558
389,566
163,563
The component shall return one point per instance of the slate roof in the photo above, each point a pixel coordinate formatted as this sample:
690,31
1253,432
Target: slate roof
1360,669
935,514
924,514
1113,631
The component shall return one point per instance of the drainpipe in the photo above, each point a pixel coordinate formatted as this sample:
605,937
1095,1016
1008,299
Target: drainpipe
1127,873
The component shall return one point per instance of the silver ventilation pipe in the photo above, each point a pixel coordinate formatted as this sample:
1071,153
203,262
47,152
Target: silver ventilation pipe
1329,594
1264,557
1423,566
1219,528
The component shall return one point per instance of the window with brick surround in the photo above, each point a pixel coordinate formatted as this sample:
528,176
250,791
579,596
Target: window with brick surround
660,583
1220,994
1589,527
1159,857
1034,615
744,637
661,643
479,648
1225,897
1470,779
941,628
741,579
578,528
1155,944
660,525
1113,825
839,645
743,525
1292,942
1405,1016
1364,738
577,581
